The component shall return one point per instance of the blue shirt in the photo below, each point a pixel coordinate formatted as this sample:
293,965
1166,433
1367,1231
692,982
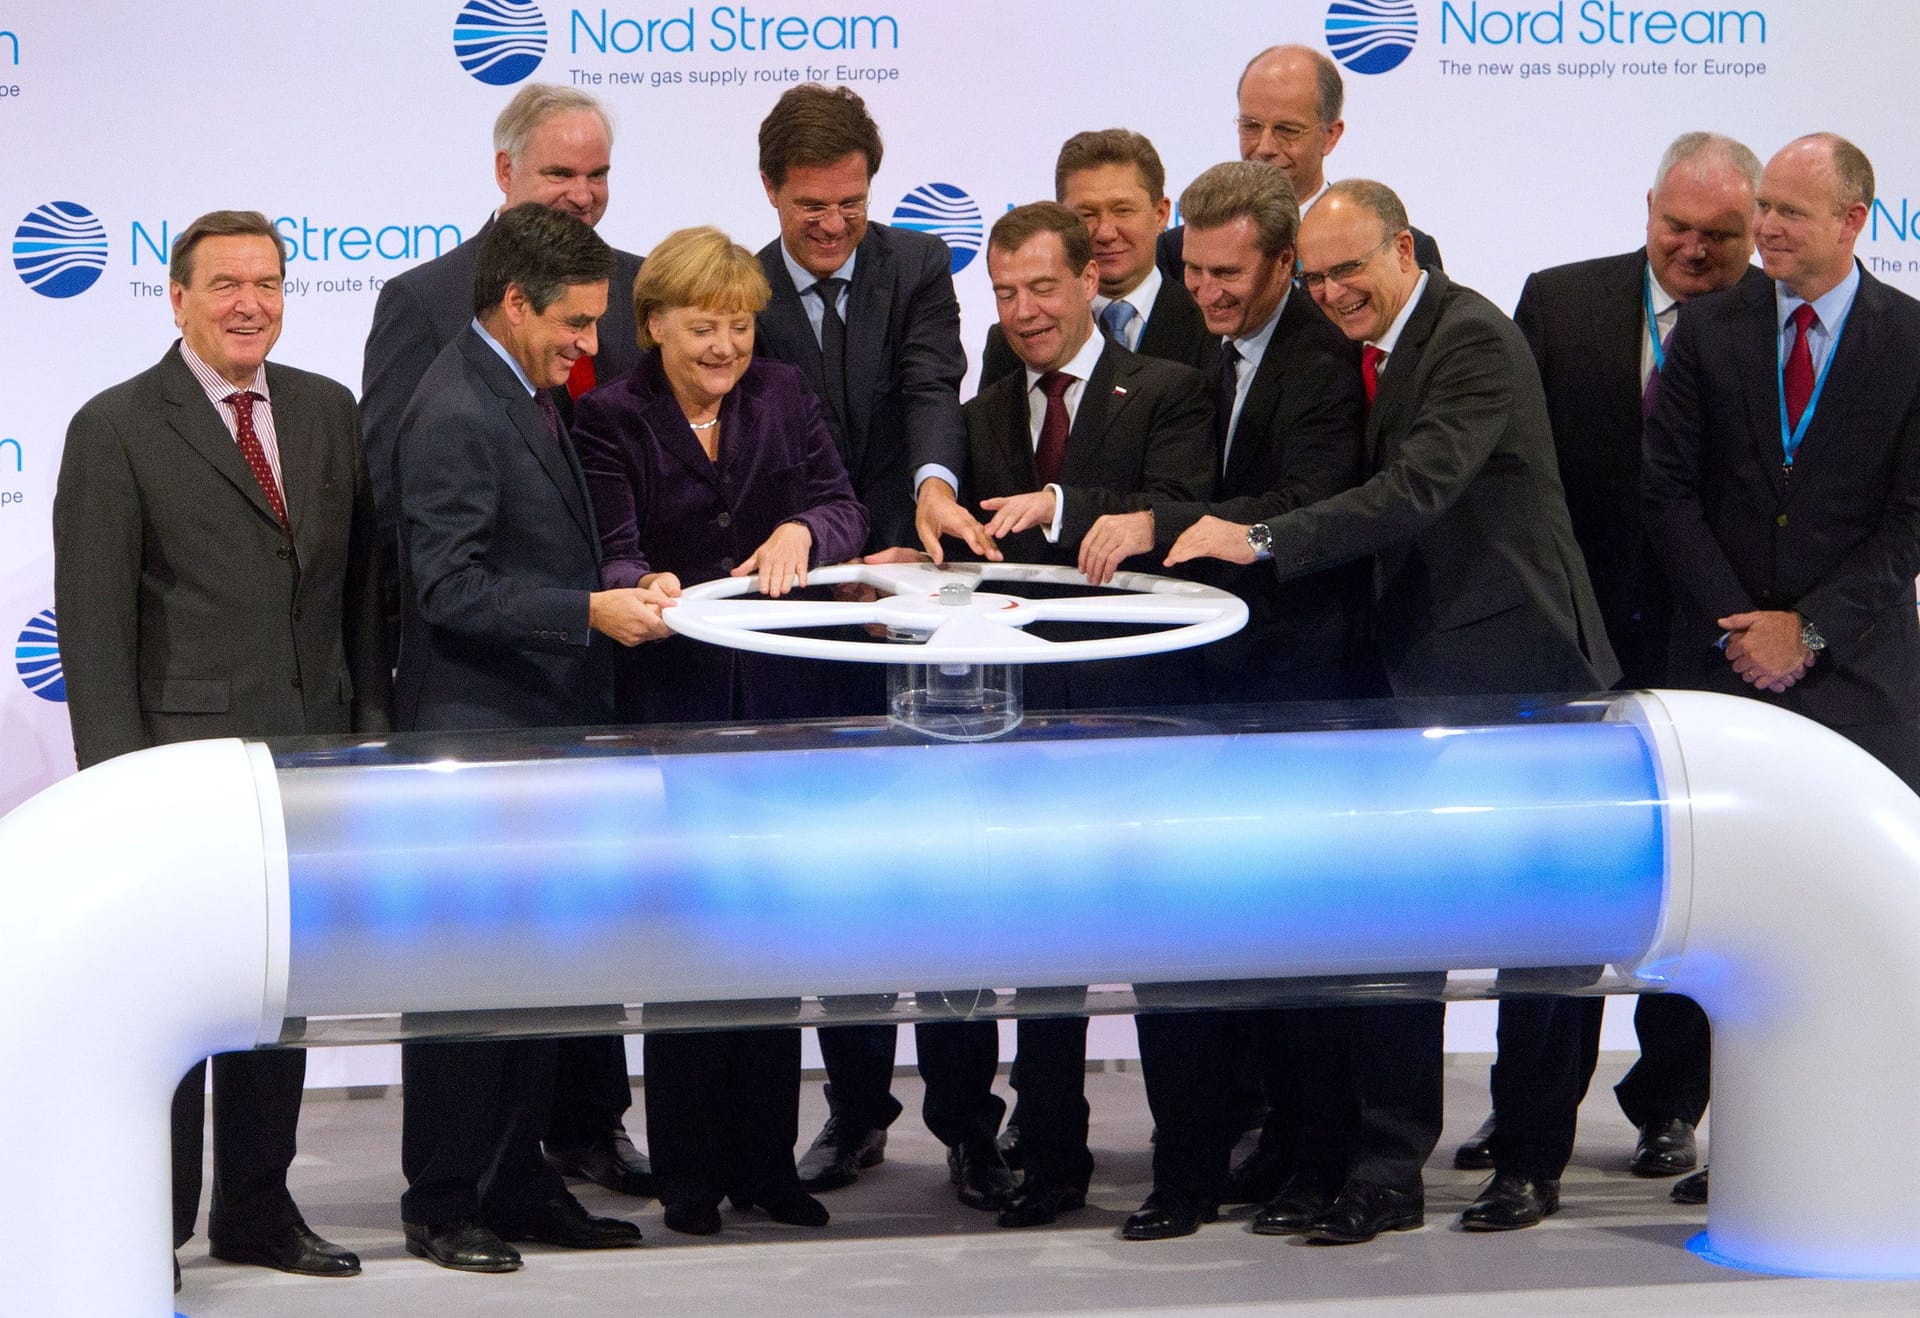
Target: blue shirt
505,356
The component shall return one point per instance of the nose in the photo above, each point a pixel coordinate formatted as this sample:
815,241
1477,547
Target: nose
1269,148
588,341
833,223
1102,228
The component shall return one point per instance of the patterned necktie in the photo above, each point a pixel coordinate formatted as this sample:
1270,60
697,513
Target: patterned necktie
548,412
1052,449
1370,359
581,378
1651,393
1798,378
249,441
1226,386
833,345
1118,318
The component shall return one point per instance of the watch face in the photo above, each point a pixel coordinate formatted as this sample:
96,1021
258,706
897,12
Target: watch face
1260,538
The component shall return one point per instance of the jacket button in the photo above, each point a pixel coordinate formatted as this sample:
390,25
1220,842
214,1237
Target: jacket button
1781,520
296,682
283,552
561,636
724,519
296,615
726,565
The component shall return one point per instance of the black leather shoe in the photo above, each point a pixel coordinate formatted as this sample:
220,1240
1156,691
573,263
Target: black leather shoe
1362,1210
1476,1155
1690,1190
788,1203
563,1221
1511,1202
293,1249
464,1245
1665,1148
839,1153
1008,1142
1165,1215
611,1161
693,1219
1039,1200
1256,1179
980,1174
1302,1197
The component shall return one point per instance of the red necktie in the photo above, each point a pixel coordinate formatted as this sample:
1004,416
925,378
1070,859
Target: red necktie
1052,450
244,435
1798,378
580,378
1370,359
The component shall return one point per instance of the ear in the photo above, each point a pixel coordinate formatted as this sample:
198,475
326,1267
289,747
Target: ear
503,170
1334,130
1855,218
177,295
767,183
1090,279
515,304
1162,212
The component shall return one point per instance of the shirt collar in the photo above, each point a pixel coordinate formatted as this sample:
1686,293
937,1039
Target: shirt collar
1387,341
804,279
219,388
1252,347
1081,367
1663,301
1140,297
1830,307
505,356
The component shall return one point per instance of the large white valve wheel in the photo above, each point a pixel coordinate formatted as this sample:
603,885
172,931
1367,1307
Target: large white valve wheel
952,621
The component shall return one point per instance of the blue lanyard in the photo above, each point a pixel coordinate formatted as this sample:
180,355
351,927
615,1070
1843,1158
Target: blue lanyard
1653,325
1790,438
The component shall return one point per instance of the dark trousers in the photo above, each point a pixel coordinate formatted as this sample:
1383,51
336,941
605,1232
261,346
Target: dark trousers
1186,1060
1547,1050
1672,1077
469,1138
723,1112
591,1091
256,1113
958,1060
859,1064
1397,1081
1050,1077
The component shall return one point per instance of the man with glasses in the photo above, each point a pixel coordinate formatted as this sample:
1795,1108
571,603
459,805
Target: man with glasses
1478,588
1289,103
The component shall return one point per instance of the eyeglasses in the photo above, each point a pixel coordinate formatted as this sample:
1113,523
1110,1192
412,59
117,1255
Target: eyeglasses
1287,134
815,211
1314,280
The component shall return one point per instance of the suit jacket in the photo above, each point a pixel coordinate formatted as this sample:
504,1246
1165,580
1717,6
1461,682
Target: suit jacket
663,506
1299,439
421,311
499,553
1838,540
904,364
1175,331
1170,251
1584,323
1478,585
185,610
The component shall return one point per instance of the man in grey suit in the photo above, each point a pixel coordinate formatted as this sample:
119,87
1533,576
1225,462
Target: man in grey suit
554,146
216,575
1478,588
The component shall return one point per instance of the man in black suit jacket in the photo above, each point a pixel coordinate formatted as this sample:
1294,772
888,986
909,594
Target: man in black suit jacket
1113,180
552,145
216,574
1478,588
1598,330
1289,100
504,627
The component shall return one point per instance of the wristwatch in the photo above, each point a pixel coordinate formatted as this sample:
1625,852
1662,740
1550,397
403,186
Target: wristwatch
1260,540
1811,638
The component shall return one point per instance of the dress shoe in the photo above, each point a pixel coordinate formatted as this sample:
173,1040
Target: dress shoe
1362,1210
1165,1215
463,1245
1691,1189
610,1161
292,1249
1476,1155
1039,1200
1256,1179
839,1153
1008,1142
787,1203
980,1174
1302,1197
693,1219
1512,1202
1665,1148
564,1221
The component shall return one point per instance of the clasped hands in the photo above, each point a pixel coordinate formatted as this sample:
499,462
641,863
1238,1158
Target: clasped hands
1765,649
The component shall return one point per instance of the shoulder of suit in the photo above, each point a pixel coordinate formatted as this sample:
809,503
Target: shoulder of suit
920,248
1152,373
995,393
1598,269
769,376
306,383
452,266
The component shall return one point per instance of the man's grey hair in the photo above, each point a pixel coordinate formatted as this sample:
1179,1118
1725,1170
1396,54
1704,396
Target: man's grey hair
532,106
1698,149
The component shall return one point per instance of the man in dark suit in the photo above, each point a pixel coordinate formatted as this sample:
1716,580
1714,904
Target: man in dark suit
1598,330
1287,419
1783,471
504,627
1478,588
216,573
552,145
868,313
1289,101
1113,180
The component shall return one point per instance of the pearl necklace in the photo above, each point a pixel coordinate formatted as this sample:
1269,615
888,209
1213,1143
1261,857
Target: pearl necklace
704,426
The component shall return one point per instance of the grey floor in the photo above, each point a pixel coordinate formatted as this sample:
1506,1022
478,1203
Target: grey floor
900,1244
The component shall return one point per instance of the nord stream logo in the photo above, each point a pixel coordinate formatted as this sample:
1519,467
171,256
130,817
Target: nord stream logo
947,213
1372,36
37,655
500,41
60,249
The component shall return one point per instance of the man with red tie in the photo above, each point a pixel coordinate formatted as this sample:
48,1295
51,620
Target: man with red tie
554,146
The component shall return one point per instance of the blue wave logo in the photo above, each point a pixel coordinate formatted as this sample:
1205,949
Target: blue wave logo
60,249
1372,36
37,655
500,41
948,214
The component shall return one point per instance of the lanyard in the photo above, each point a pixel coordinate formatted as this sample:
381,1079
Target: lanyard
1790,437
1653,325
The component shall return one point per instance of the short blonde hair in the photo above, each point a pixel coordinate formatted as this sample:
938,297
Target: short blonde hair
699,267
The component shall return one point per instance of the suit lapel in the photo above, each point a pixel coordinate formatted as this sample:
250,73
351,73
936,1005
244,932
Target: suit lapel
867,307
303,462
1403,363
555,457
1757,359
670,428
1624,315
192,416
1853,369
1016,427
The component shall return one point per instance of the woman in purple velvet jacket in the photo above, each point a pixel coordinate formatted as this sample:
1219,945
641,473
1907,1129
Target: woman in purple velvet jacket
703,463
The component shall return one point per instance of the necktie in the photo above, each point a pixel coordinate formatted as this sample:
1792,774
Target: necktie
1118,317
1370,359
833,345
1226,383
1052,449
581,378
1798,377
1651,392
249,441
548,412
